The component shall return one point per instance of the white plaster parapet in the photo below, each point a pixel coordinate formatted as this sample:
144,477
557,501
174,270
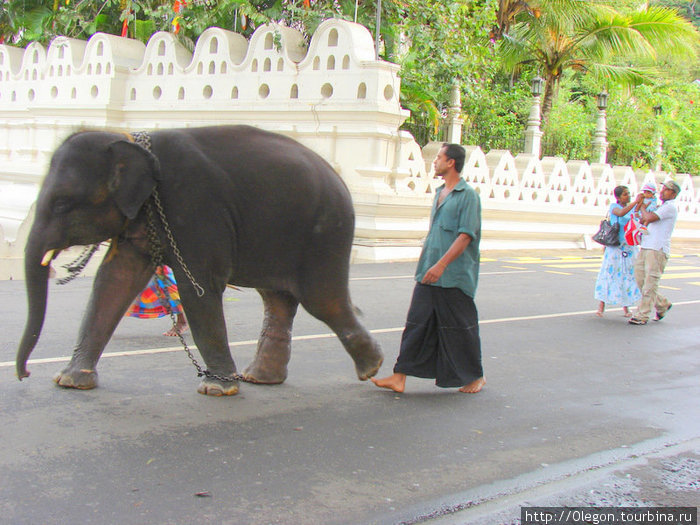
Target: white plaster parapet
532,185
430,152
503,176
604,184
333,96
476,169
583,184
15,201
625,176
689,198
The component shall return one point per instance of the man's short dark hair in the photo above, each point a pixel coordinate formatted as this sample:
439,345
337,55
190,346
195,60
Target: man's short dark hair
456,153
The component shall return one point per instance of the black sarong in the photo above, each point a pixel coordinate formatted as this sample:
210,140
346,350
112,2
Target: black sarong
441,338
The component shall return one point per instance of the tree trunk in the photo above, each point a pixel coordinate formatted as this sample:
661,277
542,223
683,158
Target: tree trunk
547,98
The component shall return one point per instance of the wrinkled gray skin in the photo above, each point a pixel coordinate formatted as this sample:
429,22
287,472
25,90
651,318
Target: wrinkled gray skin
246,207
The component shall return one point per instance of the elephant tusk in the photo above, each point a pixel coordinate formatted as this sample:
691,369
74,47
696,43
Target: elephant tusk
47,257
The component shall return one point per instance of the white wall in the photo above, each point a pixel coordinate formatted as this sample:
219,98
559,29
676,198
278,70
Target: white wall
332,96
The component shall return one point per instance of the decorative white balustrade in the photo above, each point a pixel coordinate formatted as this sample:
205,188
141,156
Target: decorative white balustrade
332,96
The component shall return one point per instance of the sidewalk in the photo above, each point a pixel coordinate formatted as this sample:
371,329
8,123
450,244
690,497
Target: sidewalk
666,477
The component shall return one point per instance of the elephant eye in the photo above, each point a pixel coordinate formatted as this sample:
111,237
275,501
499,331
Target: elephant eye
62,205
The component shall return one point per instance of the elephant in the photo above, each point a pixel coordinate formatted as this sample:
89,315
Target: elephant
245,207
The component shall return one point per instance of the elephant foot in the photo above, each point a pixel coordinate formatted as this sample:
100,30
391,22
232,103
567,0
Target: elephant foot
81,379
368,366
265,373
214,387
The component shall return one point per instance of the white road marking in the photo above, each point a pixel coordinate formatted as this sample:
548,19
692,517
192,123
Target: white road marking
250,342
386,277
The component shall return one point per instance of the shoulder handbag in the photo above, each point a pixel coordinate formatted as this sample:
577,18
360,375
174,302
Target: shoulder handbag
608,234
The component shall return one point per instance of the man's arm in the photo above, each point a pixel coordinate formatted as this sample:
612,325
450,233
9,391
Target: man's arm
648,216
455,250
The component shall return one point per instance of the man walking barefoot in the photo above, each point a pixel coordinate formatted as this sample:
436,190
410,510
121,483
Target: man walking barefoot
441,337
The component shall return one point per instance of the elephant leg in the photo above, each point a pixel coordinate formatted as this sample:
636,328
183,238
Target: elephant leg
205,316
119,279
337,312
275,343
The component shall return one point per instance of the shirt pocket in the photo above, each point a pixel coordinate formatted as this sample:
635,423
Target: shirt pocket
449,224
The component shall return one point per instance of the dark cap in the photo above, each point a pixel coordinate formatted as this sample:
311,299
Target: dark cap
672,185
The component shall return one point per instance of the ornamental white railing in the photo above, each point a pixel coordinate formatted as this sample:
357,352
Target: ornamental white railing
332,95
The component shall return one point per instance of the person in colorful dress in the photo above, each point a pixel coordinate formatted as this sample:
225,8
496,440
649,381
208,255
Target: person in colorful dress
150,304
615,283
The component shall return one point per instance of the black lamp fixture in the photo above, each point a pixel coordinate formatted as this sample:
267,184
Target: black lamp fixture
657,110
602,100
537,85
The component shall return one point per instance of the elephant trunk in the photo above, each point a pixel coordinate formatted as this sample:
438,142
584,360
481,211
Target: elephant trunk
36,270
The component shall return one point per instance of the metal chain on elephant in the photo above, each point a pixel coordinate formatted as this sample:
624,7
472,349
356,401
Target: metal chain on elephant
78,265
143,139
171,240
156,250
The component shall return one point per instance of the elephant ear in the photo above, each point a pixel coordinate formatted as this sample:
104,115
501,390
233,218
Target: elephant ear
133,174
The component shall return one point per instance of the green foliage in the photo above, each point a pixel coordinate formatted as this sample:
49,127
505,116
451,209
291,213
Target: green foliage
496,113
569,131
643,52
424,122
687,8
679,124
447,42
633,129
591,37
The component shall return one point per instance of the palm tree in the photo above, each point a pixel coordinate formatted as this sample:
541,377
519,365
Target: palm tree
594,38
506,15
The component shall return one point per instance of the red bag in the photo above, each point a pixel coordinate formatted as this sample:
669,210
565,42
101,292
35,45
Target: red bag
633,231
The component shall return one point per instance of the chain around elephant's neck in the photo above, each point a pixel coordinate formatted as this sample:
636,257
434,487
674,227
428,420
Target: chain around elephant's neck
143,139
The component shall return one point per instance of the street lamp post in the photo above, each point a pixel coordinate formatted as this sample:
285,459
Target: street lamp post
533,134
600,143
378,29
454,121
659,139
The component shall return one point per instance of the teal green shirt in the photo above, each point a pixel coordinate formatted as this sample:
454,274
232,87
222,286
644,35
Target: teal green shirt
460,212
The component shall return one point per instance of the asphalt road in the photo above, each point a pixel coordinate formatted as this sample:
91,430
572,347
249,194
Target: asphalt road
576,410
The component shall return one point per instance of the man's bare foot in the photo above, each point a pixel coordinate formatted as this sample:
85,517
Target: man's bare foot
473,387
395,382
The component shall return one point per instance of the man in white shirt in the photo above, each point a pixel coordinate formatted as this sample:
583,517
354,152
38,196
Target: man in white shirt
655,250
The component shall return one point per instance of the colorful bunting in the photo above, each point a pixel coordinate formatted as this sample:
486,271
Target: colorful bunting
178,6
